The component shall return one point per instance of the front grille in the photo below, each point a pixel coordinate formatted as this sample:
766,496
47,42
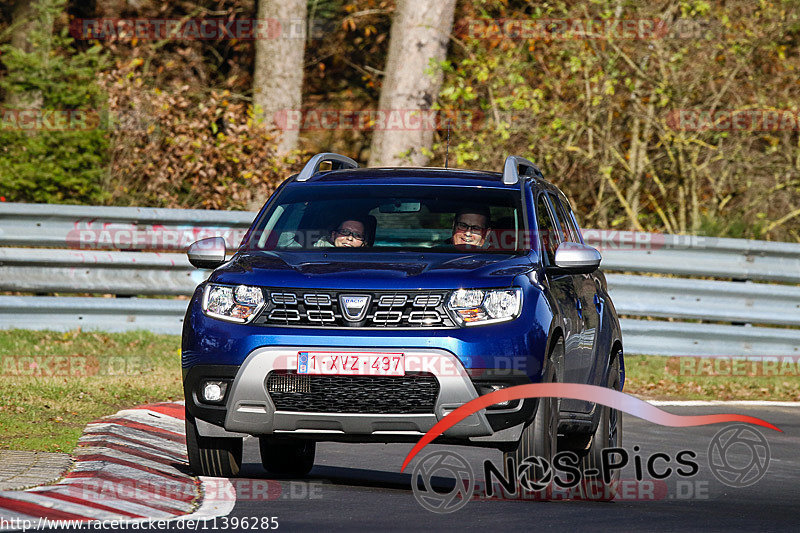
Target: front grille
410,394
386,309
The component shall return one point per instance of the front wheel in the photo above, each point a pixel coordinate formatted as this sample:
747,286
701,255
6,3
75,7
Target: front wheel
212,456
607,435
533,455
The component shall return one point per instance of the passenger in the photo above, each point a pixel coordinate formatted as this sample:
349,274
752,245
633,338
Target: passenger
350,233
470,227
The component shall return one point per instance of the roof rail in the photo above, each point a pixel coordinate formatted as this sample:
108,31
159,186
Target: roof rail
512,167
337,162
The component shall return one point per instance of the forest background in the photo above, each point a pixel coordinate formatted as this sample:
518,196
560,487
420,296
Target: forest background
675,116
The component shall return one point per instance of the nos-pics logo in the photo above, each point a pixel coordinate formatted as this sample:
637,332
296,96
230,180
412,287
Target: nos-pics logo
444,482
456,471
738,455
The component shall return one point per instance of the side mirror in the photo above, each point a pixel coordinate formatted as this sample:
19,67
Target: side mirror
207,253
576,258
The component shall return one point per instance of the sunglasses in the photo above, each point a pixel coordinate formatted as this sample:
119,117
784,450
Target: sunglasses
463,226
350,233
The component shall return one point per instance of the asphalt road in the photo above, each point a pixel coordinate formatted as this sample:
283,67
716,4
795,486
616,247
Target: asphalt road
360,487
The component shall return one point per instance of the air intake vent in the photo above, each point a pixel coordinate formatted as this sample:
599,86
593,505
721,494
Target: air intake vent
415,393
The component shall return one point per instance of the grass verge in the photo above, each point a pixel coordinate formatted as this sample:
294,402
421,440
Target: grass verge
55,383
690,378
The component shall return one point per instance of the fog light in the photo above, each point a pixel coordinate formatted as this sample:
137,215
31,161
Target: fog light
488,388
214,391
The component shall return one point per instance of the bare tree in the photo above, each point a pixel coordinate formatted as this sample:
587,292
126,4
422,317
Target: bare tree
278,71
420,34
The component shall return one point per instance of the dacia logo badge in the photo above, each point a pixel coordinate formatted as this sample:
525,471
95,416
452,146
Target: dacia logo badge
354,306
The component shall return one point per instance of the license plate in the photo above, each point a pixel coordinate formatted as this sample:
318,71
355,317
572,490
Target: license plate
351,363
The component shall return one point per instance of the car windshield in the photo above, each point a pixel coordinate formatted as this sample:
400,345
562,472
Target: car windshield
365,217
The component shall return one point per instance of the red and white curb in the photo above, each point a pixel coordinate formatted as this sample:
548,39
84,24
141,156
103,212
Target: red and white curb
131,466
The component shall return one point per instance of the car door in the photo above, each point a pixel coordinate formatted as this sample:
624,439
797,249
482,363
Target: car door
562,286
585,285
584,366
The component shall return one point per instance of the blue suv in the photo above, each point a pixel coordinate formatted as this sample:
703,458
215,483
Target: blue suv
365,304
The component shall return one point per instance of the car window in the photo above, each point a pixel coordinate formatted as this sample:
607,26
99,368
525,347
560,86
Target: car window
566,222
549,235
393,217
572,221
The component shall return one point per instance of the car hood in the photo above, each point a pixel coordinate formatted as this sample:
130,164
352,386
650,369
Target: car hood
364,270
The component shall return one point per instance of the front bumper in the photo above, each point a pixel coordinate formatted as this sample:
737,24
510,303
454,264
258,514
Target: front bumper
249,409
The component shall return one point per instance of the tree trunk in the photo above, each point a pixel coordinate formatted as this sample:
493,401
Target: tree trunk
278,71
25,19
420,33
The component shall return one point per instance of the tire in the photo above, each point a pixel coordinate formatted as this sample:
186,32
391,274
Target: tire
607,435
540,438
212,456
289,458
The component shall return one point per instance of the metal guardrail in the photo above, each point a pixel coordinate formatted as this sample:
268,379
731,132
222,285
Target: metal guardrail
105,314
658,337
110,228
74,249
91,271
692,255
694,299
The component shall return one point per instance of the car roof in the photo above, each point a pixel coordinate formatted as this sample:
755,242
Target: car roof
414,176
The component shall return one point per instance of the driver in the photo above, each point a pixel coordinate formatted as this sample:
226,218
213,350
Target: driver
470,227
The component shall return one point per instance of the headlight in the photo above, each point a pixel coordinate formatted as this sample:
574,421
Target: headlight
236,304
472,307
503,304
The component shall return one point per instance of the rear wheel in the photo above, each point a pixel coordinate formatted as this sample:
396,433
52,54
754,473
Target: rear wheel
607,435
533,455
212,456
285,457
